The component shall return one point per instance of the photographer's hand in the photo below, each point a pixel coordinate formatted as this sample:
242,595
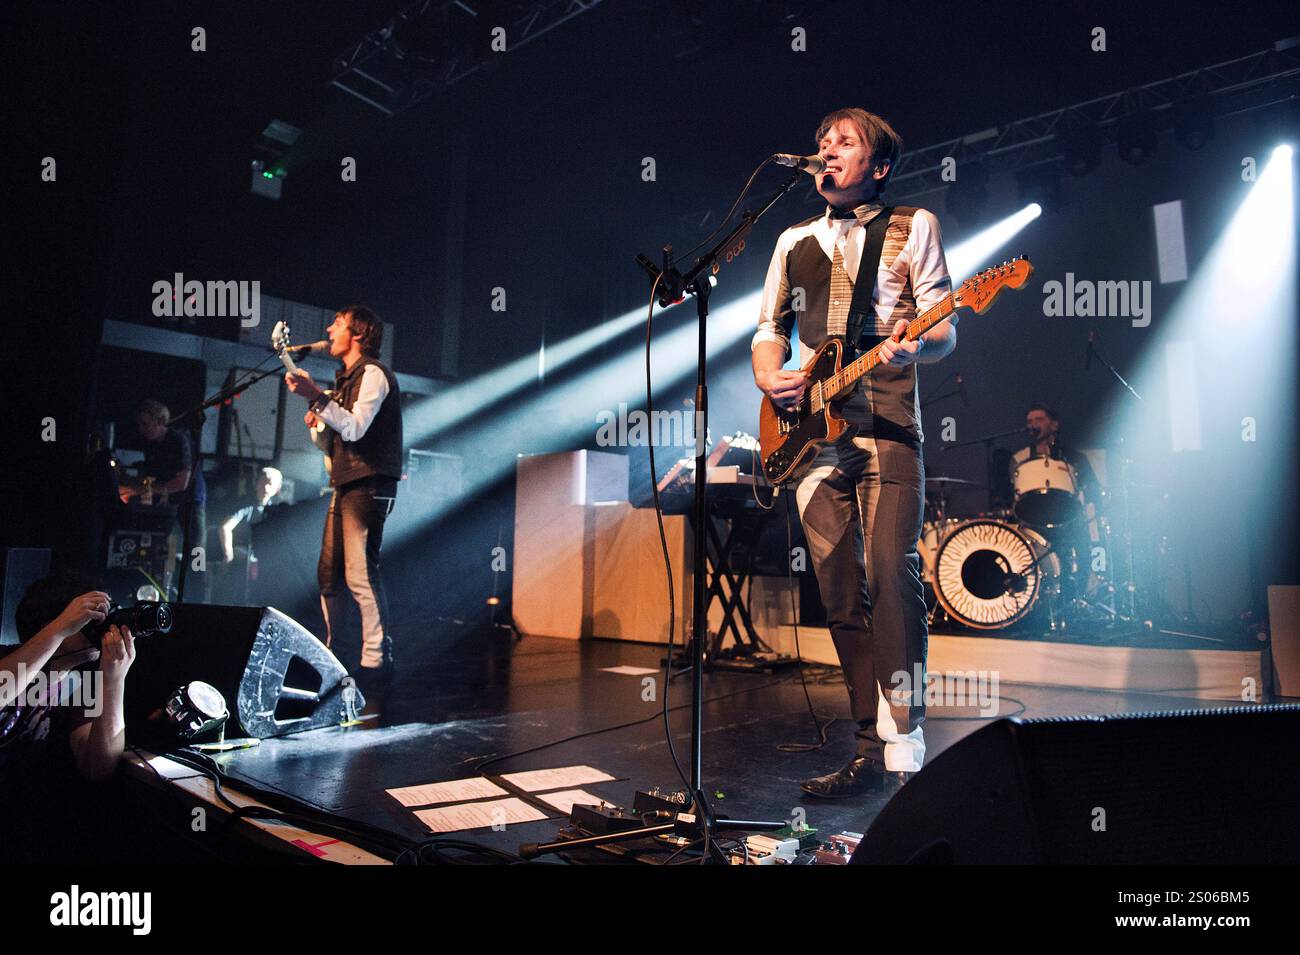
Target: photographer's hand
98,743
117,653
89,607
61,635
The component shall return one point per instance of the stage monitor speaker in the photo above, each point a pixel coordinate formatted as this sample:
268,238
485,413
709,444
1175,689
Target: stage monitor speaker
1186,787
277,678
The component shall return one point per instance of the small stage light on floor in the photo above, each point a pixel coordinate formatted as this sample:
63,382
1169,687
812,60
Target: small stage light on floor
198,709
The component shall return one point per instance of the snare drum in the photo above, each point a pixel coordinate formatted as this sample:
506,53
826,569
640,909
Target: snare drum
1047,492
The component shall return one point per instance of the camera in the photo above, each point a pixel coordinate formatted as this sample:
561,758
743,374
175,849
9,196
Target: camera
143,620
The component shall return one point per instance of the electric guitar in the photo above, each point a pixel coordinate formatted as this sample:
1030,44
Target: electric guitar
790,439
280,345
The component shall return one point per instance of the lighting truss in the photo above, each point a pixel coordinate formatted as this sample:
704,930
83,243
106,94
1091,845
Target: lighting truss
429,46
1235,86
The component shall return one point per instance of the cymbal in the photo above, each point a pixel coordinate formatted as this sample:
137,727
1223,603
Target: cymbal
944,481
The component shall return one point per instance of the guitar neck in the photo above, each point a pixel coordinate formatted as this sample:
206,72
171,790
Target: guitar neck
839,384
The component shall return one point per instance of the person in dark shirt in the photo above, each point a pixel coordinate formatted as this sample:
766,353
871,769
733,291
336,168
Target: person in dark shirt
172,466
62,723
1043,426
239,558
1074,542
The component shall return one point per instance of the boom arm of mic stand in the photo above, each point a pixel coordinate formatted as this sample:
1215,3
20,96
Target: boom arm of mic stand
673,285
1111,368
987,439
733,241
937,398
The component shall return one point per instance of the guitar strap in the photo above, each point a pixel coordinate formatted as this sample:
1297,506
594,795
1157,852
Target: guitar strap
860,308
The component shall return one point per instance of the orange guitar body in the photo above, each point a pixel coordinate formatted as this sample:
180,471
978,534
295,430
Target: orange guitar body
792,439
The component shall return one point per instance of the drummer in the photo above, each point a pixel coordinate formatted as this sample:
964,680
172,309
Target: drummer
1043,426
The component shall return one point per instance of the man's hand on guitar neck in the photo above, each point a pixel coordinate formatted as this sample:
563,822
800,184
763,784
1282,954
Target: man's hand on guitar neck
897,350
301,383
935,344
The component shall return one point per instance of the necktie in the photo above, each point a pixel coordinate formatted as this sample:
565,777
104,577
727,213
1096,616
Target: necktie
837,312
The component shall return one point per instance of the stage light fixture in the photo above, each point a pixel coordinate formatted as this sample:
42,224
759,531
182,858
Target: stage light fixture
196,709
1080,146
969,193
1040,185
1136,137
1194,122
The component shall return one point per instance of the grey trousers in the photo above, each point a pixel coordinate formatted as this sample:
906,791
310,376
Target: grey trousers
349,563
862,506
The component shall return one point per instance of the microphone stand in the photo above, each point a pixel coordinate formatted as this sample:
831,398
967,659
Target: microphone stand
988,441
1095,352
673,287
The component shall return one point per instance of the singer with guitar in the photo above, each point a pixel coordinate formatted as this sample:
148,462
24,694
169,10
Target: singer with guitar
860,272
362,416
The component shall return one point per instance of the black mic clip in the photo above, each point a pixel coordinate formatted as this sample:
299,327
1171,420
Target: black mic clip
669,287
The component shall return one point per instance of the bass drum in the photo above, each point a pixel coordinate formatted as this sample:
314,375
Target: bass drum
988,574
933,534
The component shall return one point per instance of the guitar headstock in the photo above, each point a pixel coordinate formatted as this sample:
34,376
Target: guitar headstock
280,336
979,291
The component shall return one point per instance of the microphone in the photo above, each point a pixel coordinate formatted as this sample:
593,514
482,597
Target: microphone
961,388
809,164
315,348
1087,358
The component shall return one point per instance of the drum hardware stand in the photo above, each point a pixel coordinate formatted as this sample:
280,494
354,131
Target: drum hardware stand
1129,584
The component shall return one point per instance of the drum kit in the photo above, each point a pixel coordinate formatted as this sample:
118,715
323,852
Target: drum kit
994,570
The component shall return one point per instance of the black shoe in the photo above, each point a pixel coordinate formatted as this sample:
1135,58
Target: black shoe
860,777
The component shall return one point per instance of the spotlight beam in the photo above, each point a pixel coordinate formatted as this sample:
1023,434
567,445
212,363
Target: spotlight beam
429,418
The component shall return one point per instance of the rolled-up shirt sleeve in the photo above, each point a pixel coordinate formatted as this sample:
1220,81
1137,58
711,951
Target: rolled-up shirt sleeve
928,266
775,316
353,425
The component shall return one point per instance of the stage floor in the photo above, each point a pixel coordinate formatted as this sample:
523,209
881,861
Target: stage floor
491,695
